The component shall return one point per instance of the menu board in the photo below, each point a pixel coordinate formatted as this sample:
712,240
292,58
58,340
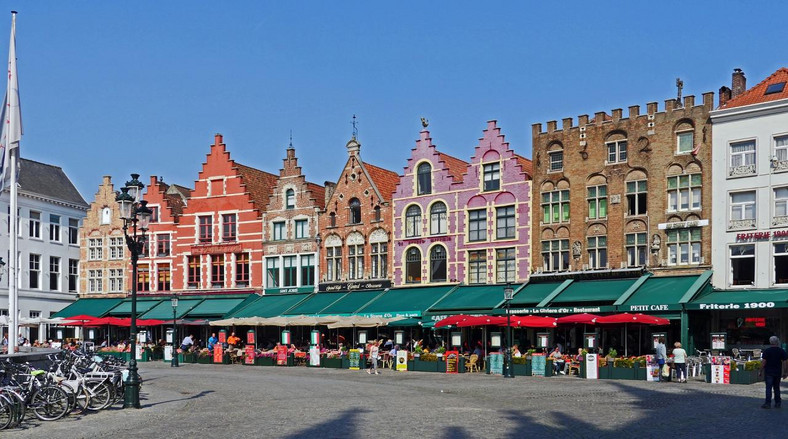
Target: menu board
281,355
250,337
652,372
452,361
354,356
249,354
314,356
719,341
496,363
218,353
590,341
138,353
543,339
538,362
592,370
720,374
402,361
168,353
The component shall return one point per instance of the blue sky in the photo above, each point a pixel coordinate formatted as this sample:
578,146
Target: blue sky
115,87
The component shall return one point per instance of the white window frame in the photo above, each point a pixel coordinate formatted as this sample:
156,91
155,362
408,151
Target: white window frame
95,281
301,228
35,225
693,192
555,161
731,257
780,202
56,263
597,248
740,208
116,247
679,135
617,149
680,242
781,151
775,255
116,280
95,249
54,228
279,231
740,158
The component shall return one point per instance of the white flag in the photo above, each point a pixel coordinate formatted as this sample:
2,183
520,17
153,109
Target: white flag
11,114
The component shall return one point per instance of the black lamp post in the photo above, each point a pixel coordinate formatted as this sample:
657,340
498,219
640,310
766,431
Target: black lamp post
508,293
136,217
174,302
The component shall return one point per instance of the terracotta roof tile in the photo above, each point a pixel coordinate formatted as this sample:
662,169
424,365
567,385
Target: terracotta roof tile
757,94
455,166
318,193
258,183
526,164
385,180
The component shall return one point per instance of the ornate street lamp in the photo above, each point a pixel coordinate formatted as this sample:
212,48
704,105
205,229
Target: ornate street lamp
136,217
174,302
508,294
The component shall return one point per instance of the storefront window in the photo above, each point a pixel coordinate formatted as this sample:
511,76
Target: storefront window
781,263
749,329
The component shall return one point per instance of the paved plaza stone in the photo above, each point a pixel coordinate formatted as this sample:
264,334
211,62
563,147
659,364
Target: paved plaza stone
218,401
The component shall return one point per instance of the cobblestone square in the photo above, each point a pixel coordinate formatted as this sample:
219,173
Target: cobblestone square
242,401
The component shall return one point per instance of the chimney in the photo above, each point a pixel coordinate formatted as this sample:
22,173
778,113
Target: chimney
738,83
725,95
330,187
708,100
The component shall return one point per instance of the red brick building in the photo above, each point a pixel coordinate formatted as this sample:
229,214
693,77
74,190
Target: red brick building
290,227
219,245
355,227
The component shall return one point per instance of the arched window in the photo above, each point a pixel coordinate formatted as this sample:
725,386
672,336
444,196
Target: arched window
355,211
438,219
424,179
377,213
290,199
413,266
332,219
413,221
438,264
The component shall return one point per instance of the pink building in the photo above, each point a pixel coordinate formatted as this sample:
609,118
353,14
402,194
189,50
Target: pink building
463,222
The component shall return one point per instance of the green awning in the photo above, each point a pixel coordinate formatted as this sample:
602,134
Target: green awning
248,300
715,300
124,308
213,307
269,306
607,290
471,297
659,293
410,302
89,307
407,323
315,303
163,311
350,302
534,293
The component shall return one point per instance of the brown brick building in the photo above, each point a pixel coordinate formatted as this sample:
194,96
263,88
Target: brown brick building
290,226
355,227
621,191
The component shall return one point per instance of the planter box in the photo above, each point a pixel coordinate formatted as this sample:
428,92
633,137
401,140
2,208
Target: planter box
425,366
521,370
345,363
605,372
205,360
623,373
441,366
264,361
157,355
706,369
332,363
189,358
640,372
745,376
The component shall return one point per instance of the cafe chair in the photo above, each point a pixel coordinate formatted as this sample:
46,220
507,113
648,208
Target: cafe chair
473,364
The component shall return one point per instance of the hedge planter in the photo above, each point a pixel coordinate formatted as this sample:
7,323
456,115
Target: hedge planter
441,366
640,372
332,363
521,370
623,373
605,372
264,361
208,359
425,366
189,358
744,376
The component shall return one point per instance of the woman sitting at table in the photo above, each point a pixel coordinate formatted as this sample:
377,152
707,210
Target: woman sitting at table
516,351
558,360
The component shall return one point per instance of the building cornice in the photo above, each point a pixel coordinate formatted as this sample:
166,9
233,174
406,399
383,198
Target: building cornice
749,111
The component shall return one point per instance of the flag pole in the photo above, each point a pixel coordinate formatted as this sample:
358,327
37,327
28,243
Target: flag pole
12,130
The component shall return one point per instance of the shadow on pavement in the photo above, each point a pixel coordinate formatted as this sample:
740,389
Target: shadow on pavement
456,433
344,426
187,398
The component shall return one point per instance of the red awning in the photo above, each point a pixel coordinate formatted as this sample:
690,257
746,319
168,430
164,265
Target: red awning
585,318
482,321
451,320
633,318
531,322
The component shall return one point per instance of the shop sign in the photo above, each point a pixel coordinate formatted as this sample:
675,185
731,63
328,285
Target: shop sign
249,354
218,353
641,308
423,240
564,310
355,286
402,361
496,363
212,249
314,356
354,357
592,368
762,236
281,355
452,360
683,224
725,306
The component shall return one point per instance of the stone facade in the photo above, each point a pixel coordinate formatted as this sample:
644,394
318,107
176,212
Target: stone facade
355,227
615,192
290,226
104,259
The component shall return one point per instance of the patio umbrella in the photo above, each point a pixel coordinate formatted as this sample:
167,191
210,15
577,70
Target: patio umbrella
585,318
482,321
451,320
627,318
531,322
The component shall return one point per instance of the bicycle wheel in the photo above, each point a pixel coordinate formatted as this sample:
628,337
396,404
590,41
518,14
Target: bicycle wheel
100,396
79,397
17,405
49,403
6,412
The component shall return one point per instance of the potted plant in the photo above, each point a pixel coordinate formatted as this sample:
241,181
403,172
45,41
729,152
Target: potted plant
426,363
623,369
331,361
265,358
745,373
520,366
204,356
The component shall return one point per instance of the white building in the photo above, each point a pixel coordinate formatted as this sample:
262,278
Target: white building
750,191
50,214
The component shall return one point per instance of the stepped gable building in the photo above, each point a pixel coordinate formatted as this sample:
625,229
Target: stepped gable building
618,191
157,264
424,202
219,245
104,259
493,214
290,228
355,227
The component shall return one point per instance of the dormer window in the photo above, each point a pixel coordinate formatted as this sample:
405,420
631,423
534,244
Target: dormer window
492,176
290,199
424,179
355,211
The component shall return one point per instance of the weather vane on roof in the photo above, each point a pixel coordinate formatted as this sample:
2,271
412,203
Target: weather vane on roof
291,139
679,86
424,122
355,128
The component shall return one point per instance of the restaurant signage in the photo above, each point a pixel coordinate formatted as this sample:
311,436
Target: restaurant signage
402,361
565,310
354,357
543,340
496,363
249,354
250,336
734,306
218,353
683,224
355,286
720,370
314,356
405,242
762,236
452,361
652,369
213,249
138,351
592,370
289,290
661,307
538,362
281,355
223,336
719,341
168,353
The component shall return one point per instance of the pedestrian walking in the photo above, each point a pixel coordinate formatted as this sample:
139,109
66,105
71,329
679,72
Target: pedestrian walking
680,362
373,350
661,356
774,366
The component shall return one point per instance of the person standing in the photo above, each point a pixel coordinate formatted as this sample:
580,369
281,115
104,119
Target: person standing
661,355
680,362
212,340
187,343
773,368
373,357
